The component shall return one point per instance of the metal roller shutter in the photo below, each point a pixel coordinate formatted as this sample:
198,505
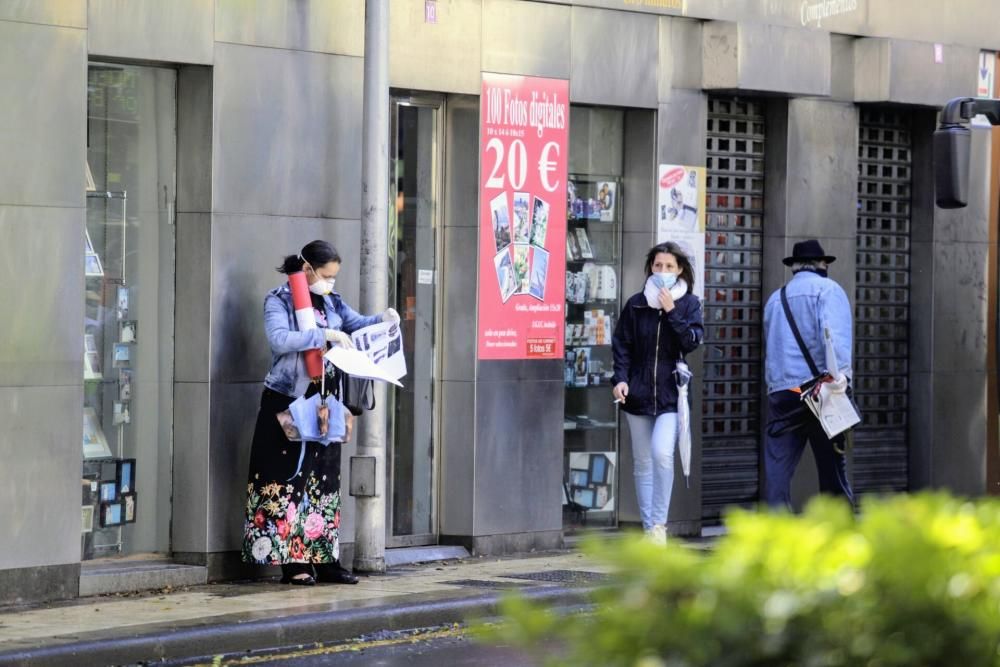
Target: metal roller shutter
733,307
882,310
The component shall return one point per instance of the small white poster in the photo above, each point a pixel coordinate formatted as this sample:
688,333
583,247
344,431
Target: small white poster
680,215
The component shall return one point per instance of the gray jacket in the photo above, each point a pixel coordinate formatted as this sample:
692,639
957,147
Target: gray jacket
288,368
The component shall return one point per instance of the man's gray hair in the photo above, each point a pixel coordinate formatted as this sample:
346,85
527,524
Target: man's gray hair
806,264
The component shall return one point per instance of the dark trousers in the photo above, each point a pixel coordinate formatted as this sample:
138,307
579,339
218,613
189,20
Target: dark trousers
789,425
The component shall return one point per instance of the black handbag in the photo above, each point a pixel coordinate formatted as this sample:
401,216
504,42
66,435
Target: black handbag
357,394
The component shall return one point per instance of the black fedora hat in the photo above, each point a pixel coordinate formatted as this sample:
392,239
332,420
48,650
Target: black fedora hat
805,251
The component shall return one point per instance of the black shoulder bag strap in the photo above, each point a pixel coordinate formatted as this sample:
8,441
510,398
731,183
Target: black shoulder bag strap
798,336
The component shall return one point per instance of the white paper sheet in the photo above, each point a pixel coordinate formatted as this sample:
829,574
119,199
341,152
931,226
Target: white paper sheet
359,365
383,344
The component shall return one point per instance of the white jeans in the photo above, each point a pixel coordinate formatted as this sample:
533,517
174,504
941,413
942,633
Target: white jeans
653,443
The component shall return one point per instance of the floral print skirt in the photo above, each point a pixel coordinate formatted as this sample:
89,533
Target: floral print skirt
291,517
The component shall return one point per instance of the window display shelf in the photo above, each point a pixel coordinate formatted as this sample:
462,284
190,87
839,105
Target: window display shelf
590,424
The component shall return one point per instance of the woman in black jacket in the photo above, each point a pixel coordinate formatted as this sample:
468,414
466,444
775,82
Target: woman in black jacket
657,327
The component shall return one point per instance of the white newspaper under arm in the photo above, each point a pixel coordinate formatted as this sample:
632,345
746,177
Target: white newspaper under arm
829,401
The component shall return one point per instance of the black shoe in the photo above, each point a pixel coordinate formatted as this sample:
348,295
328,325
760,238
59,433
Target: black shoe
291,573
335,575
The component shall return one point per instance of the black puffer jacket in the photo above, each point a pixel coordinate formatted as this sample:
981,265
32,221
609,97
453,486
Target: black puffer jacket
647,344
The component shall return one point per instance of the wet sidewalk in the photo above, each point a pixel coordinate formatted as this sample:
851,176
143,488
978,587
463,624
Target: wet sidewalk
226,618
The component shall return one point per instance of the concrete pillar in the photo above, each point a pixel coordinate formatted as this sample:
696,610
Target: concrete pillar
948,325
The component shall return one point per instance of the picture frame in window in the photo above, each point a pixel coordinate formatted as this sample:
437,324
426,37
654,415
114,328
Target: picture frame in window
583,496
128,331
125,475
578,477
602,493
109,491
598,469
92,265
95,445
121,302
125,384
122,354
87,519
112,514
91,363
121,414
128,502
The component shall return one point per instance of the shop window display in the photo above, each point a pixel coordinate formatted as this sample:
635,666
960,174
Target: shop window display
128,328
593,265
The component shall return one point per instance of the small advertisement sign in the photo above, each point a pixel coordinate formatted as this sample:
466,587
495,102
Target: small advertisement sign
524,146
680,215
986,74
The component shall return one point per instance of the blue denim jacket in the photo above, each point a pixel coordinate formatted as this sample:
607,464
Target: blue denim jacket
816,302
288,367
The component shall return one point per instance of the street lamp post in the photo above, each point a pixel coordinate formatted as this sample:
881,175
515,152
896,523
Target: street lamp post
368,466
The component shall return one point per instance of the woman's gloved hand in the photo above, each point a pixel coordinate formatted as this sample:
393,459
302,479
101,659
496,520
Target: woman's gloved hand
338,337
390,315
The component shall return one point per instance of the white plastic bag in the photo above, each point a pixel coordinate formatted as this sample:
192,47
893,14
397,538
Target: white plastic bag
829,400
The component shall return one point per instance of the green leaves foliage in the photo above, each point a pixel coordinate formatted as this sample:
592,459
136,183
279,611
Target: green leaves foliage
911,580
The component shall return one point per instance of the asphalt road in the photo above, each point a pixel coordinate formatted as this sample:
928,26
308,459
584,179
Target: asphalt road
450,647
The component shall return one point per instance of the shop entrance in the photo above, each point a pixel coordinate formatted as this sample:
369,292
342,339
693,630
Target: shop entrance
733,305
415,168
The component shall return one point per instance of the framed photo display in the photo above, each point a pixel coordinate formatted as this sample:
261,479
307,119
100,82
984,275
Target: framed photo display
125,475
128,502
112,514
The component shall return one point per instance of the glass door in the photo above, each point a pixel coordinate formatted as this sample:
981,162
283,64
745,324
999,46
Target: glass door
413,246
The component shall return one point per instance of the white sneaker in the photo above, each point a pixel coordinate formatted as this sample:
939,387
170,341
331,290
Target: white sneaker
657,535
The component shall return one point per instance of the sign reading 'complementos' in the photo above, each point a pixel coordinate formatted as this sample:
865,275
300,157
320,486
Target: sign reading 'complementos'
523,138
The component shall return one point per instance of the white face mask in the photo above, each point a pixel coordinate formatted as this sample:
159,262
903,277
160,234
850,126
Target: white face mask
322,286
664,280
657,281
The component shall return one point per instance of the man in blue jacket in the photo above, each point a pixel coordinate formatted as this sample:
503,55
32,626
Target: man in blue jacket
816,303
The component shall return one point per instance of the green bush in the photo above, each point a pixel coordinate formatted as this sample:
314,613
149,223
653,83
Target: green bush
911,580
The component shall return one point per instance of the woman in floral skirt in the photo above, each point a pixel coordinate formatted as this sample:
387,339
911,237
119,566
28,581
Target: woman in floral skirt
293,494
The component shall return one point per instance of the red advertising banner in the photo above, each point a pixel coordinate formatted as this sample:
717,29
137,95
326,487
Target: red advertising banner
524,147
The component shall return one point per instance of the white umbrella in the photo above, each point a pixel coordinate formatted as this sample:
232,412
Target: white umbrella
683,375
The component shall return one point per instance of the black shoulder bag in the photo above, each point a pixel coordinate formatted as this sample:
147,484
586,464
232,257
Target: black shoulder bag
357,394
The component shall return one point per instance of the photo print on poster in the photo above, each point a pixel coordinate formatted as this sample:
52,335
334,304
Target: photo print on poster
111,514
128,331
128,500
607,199
539,273
521,268
125,384
539,222
522,217
505,274
679,205
501,221
122,302
122,354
